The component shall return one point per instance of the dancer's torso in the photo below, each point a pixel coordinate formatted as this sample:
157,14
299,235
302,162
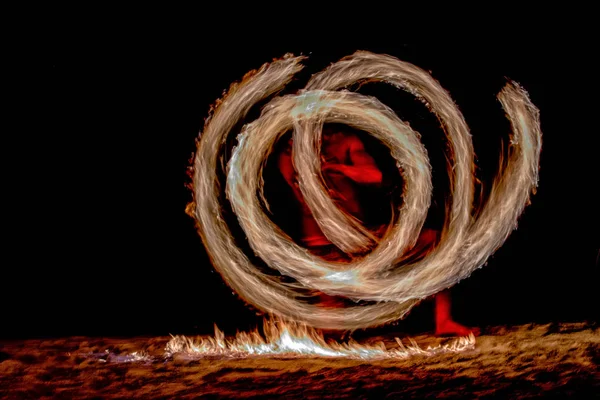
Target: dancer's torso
335,150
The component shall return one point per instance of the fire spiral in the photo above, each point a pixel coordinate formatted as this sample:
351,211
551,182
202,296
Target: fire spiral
380,276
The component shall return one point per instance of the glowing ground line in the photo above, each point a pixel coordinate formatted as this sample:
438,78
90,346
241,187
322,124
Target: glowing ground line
465,243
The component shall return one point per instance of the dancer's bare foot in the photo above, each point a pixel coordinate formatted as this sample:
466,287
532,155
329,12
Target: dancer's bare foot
451,328
444,324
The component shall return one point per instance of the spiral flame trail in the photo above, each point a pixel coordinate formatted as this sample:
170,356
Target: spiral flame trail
380,275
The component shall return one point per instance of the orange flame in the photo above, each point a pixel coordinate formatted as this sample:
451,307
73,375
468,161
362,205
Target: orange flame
293,339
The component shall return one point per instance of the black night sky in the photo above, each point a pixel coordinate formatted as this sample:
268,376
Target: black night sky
110,250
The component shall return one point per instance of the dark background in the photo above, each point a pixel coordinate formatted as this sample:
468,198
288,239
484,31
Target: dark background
107,247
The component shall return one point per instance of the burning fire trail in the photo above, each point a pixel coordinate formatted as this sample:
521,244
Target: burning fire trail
468,237
293,340
283,340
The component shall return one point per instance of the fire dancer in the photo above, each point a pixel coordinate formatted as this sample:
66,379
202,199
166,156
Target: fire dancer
346,164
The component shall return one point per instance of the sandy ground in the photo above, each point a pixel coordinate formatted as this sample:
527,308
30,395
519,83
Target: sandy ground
527,361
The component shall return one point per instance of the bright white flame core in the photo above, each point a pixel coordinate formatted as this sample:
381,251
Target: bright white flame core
380,276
